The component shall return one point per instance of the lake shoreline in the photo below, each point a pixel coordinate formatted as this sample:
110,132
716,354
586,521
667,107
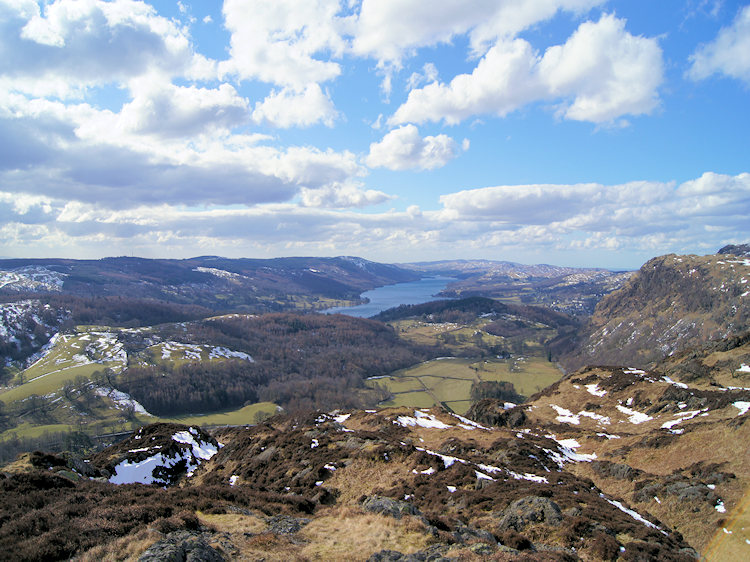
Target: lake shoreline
382,298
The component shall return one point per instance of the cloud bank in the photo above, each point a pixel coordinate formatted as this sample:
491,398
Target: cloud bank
121,134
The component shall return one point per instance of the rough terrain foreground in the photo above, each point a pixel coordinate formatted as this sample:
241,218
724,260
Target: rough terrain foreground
398,484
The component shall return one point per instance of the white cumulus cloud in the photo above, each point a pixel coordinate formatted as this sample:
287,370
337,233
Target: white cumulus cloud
284,42
728,54
291,108
342,196
599,74
390,30
166,110
404,149
71,45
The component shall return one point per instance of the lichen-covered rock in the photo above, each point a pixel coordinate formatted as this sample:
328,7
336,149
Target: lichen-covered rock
181,546
285,525
388,506
531,510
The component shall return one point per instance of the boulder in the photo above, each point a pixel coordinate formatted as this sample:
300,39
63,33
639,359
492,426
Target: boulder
530,510
181,546
388,506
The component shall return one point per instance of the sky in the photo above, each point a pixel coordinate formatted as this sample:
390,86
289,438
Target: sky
570,132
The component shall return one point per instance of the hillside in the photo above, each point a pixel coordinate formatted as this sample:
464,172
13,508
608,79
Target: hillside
491,349
39,298
675,449
355,486
565,289
644,459
97,379
672,303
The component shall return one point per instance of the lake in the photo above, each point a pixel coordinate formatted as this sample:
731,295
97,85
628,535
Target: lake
383,298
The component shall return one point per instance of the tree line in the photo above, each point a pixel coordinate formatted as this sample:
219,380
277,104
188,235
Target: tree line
299,362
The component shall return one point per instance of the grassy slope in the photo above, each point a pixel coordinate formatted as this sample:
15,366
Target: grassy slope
62,364
59,366
449,380
245,415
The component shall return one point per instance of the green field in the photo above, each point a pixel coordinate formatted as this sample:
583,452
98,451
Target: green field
449,380
245,415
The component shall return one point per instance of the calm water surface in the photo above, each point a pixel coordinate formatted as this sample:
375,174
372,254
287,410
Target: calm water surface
383,298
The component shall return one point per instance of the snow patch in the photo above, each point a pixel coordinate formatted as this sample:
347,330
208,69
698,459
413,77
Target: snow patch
566,451
634,514
142,472
466,423
674,383
634,416
122,400
743,407
565,416
684,416
608,436
594,389
421,419
604,420
201,449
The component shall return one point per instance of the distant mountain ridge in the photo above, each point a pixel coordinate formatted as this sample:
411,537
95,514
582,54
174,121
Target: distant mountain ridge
570,290
500,268
211,281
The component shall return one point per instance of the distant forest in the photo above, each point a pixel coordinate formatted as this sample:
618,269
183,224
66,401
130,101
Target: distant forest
466,310
300,362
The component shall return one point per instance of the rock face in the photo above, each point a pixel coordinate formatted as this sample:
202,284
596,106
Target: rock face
672,303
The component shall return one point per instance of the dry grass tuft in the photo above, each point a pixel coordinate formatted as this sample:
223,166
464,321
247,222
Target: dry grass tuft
348,533
124,548
363,476
233,523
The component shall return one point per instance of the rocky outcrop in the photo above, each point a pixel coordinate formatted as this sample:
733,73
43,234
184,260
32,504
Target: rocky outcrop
528,511
492,412
672,303
736,250
388,506
181,546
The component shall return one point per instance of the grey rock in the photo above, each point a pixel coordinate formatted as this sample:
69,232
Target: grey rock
434,553
84,468
181,546
266,455
285,525
467,533
619,471
388,506
530,510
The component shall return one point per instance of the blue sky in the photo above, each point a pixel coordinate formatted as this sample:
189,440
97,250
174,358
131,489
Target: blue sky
572,132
